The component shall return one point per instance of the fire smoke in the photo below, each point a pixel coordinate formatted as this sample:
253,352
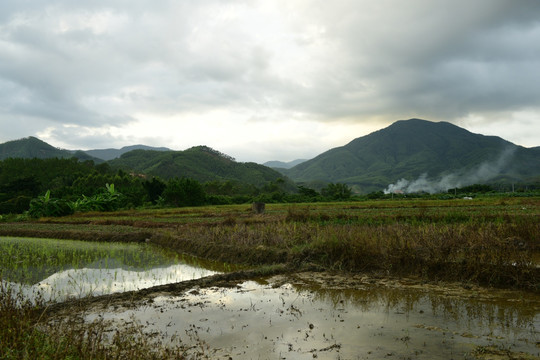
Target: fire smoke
484,172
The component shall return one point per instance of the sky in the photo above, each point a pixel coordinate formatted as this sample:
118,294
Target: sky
264,80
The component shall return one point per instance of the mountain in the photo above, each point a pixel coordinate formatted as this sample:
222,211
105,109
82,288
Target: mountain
200,163
423,151
109,154
284,165
32,147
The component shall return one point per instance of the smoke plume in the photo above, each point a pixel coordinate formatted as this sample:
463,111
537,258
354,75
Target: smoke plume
484,172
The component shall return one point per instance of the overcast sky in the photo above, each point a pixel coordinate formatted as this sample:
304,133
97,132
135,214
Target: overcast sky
264,79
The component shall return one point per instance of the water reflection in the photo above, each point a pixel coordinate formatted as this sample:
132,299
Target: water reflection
507,308
56,270
76,283
298,318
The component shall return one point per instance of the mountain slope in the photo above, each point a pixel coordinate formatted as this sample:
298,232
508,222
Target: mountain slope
201,163
410,148
31,147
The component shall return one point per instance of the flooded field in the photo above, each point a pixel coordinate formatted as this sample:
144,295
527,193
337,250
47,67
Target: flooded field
319,315
57,270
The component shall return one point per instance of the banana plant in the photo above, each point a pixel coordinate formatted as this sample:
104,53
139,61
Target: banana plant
46,206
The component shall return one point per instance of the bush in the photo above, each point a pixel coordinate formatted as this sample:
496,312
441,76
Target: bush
16,205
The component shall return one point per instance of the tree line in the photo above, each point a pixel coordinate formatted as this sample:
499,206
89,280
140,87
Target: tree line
48,187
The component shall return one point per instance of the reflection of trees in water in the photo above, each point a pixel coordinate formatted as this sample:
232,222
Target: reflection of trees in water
504,312
29,260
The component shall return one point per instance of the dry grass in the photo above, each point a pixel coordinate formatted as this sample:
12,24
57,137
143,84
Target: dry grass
489,254
25,333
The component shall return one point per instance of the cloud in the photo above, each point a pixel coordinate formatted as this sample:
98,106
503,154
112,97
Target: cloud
96,64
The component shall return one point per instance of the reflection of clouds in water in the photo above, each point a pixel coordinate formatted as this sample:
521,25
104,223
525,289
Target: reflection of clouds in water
83,282
253,319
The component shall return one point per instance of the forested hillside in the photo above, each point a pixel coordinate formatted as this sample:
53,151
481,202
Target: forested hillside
200,163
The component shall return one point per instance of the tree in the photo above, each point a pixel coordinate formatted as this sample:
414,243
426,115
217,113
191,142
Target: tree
184,192
305,191
154,189
337,191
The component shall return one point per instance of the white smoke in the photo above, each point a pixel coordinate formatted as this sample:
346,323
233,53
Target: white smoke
484,172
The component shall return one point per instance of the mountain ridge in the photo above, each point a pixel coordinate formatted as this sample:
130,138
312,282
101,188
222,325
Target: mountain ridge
408,152
409,149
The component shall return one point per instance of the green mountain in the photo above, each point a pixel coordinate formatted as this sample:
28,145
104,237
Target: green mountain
439,155
31,147
109,154
200,163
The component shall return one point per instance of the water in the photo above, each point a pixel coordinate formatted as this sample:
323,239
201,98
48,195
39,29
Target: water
298,316
307,315
56,270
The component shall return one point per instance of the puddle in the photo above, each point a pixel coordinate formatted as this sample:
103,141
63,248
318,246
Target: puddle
56,270
309,315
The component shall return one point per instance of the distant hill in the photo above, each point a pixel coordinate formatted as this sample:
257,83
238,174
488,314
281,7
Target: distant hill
284,165
31,147
109,154
426,155
201,163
